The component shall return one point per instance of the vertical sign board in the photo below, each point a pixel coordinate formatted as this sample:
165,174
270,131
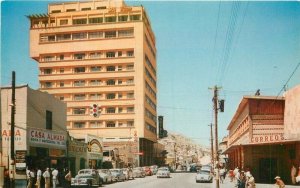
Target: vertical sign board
161,126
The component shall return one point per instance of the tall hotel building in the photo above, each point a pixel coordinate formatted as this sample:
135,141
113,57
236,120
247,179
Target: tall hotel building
100,53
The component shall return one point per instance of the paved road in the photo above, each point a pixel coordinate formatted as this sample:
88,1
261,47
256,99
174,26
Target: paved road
177,180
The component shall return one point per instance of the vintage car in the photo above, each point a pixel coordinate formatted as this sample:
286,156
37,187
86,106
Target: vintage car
86,178
117,174
163,172
204,176
105,175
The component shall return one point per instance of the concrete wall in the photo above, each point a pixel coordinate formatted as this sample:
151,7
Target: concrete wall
292,114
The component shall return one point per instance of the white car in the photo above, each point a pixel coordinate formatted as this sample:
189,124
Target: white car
105,176
204,176
86,177
163,172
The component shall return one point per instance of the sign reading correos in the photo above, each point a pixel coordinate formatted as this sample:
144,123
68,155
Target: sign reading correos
44,137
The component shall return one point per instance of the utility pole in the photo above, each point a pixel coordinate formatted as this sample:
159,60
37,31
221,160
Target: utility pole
211,144
215,101
12,134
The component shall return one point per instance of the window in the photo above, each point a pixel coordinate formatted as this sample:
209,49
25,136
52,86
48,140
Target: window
130,109
51,38
129,67
120,96
79,125
120,82
119,53
87,8
95,55
135,17
61,98
79,21
95,20
95,82
48,120
130,53
95,69
79,69
110,68
110,96
94,35
79,56
110,82
51,21
61,84
110,124
125,33
110,110
129,82
63,37
110,19
79,97
63,22
120,110
48,84
79,36
55,11
95,96
130,95
79,83
120,124
48,58
123,18
61,70
98,8
61,57
119,68
47,71
130,123
110,54
79,111
71,10
110,34
95,124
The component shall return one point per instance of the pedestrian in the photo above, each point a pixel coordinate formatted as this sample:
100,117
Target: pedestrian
68,178
38,178
236,173
46,175
222,173
241,180
6,178
298,177
279,183
293,174
30,175
231,175
250,182
54,177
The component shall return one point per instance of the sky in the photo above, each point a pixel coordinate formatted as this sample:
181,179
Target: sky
239,46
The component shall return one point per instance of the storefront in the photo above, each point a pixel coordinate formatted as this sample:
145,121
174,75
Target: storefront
94,151
77,155
46,149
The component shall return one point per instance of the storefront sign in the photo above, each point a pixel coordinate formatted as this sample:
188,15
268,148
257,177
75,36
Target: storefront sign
20,138
44,137
20,160
267,138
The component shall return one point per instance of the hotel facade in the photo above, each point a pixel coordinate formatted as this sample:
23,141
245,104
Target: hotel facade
99,57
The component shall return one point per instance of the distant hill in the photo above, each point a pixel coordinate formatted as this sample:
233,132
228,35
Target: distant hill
187,151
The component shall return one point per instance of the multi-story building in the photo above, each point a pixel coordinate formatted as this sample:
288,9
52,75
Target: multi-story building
100,53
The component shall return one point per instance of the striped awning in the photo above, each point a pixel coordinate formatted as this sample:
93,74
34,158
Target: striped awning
35,16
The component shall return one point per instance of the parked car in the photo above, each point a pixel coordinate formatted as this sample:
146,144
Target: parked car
154,169
128,173
163,172
105,176
147,170
138,172
117,174
204,176
86,177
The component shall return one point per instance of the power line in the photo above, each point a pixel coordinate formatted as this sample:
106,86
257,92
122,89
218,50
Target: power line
284,86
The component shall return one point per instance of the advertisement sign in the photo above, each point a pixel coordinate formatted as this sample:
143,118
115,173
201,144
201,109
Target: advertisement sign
20,138
47,138
20,158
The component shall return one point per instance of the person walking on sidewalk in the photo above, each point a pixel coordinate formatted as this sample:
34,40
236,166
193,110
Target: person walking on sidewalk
46,175
54,177
241,181
38,178
279,183
68,178
293,174
250,182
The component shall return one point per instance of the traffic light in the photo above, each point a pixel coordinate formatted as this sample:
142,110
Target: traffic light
95,110
221,104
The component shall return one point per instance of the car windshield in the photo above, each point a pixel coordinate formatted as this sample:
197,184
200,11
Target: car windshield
116,171
163,169
204,172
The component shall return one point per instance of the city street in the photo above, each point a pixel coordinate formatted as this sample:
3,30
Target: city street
177,180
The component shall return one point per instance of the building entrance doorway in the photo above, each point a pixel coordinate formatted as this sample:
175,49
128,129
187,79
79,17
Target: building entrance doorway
267,170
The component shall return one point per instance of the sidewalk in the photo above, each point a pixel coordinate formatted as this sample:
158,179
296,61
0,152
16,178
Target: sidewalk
228,184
